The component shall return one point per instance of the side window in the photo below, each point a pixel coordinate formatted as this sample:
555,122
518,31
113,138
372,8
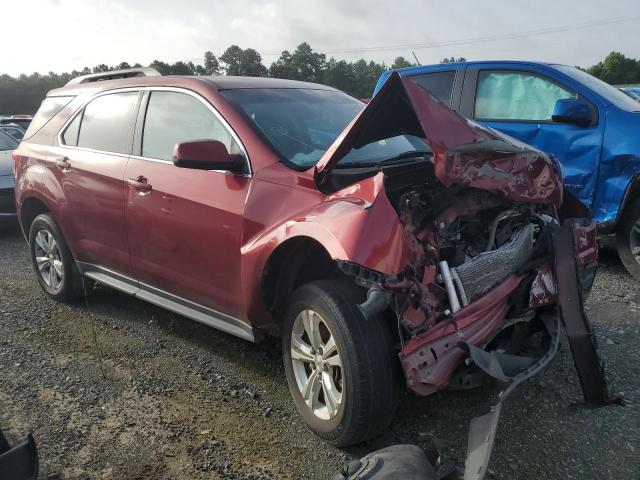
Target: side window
174,117
70,135
107,123
438,84
504,95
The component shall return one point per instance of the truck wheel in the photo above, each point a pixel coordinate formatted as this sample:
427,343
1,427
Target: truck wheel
340,367
628,238
52,261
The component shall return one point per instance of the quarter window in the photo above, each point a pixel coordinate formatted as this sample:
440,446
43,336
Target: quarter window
107,123
438,84
70,135
49,107
516,96
173,118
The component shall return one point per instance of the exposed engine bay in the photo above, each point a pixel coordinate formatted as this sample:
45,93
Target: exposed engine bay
463,244
474,260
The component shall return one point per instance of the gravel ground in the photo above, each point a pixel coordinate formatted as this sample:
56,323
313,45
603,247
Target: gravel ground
116,388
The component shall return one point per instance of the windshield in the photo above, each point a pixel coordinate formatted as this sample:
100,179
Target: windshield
610,93
7,142
301,124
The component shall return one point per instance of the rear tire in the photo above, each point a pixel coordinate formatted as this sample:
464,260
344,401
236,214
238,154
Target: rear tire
52,261
365,383
628,238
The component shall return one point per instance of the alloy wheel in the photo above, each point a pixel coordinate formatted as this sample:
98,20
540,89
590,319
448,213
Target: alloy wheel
48,259
317,365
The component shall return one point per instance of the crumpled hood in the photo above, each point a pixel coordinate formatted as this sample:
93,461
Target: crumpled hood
465,154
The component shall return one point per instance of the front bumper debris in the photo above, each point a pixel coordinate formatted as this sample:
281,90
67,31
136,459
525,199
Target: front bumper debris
570,309
482,431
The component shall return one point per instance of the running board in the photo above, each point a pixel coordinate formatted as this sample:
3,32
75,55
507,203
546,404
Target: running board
169,301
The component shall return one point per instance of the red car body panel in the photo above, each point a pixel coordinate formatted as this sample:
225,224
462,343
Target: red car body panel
185,240
207,236
429,360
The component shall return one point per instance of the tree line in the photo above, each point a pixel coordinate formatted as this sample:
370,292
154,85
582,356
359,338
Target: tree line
24,93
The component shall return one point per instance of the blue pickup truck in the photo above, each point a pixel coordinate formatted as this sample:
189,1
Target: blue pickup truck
590,127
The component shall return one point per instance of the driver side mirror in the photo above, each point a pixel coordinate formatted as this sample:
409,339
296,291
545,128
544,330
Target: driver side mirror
573,111
206,155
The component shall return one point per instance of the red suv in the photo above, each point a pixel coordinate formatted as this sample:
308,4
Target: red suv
382,241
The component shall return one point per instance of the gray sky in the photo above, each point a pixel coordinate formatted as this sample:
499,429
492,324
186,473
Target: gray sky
60,35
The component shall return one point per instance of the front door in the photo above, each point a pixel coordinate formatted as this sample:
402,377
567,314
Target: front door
185,225
520,104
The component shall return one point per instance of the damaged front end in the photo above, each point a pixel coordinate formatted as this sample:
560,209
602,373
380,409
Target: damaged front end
496,258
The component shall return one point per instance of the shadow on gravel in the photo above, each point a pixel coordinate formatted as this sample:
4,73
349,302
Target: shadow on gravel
10,231
259,362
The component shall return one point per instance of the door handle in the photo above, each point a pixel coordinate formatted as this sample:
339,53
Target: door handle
63,163
140,184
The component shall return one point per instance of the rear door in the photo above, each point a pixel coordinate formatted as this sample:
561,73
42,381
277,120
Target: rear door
90,165
185,225
520,102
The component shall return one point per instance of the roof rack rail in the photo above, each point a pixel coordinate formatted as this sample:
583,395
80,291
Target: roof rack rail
113,74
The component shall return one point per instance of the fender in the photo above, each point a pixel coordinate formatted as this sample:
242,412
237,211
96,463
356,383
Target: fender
357,224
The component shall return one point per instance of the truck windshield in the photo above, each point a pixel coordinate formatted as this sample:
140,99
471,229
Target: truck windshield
608,92
301,124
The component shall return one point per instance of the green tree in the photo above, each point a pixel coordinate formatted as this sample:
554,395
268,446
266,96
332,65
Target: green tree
401,62
366,76
617,69
243,62
101,68
211,65
339,74
162,67
304,64
453,60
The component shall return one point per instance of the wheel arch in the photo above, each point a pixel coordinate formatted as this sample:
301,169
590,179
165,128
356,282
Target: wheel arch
631,193
30,208
296,261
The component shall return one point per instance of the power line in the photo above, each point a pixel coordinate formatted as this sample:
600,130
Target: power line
466,41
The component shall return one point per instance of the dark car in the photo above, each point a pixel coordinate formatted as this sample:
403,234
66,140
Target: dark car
14,130
384,243
22,121
7,199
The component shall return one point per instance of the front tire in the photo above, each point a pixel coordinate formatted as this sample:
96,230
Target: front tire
341,368
52,261
628,238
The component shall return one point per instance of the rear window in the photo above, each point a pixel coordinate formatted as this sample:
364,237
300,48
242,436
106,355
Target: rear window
49,107
7,142
438,84
107,123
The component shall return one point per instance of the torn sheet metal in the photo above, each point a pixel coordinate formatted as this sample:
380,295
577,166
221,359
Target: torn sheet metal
482,431
465,154
576,323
